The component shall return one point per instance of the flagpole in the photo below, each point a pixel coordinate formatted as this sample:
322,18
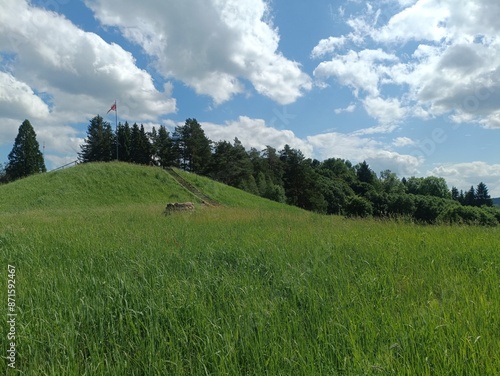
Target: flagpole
116,129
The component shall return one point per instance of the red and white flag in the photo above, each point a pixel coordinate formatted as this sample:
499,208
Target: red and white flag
113,108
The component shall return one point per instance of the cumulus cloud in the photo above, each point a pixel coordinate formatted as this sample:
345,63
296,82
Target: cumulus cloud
210,45
17,99
449,67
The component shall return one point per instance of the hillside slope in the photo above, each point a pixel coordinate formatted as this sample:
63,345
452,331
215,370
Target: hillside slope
116,183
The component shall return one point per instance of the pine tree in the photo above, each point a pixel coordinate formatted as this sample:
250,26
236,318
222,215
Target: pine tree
100,142
145,149
25,158
482,196
470,197
163,148
140,150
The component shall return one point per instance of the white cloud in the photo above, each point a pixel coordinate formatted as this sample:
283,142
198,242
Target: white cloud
409,23
327,46
17,99
403,141
449,67
210,45
465,175
362,71
388,111
349,108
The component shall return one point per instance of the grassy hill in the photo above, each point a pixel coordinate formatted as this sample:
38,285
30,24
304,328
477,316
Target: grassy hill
111,184
106,284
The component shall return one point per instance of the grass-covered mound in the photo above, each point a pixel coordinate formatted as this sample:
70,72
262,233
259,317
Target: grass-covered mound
116,183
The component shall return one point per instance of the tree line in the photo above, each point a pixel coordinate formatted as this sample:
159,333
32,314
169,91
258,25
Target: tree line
332,186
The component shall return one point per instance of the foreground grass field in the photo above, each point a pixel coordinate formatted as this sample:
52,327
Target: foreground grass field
251,288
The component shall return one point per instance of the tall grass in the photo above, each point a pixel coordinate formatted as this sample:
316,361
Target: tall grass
124,290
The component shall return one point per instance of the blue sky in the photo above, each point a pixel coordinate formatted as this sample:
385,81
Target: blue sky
407,85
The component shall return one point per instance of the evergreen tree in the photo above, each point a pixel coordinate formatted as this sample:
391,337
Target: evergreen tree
365,174
470,197
455,194
25,158
301,181
231,165
100,142
140,147
163,148
145,148
124,142
482,196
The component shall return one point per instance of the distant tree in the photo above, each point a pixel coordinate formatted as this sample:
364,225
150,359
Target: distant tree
455,194
193,147
98,146
144,148
434,186
461,197
482,196
390,183
140,147
300,181
413,185
25,158
365,174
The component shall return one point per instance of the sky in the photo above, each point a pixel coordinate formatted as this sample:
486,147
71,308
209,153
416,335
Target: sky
412,86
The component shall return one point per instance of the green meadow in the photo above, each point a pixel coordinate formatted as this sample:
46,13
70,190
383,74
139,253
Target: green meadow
108,285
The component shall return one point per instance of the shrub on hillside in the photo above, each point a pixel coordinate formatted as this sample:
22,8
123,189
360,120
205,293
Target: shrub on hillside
468,215
358,206
402,205
428,208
